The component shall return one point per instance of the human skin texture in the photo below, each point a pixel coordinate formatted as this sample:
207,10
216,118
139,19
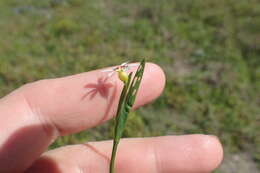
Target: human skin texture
34,115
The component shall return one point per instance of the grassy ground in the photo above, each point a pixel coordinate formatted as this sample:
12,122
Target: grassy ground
210,51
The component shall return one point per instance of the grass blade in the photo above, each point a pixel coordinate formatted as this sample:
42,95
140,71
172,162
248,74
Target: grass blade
126,102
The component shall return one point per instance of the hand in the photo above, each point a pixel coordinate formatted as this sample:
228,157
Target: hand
33,116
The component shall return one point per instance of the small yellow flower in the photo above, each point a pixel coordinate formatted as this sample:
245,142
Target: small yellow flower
122,75
121,71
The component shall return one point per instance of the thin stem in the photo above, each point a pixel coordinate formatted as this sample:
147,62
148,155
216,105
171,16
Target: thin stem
116,140
112,162
126,102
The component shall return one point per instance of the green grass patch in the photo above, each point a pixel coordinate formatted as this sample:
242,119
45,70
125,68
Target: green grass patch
210,51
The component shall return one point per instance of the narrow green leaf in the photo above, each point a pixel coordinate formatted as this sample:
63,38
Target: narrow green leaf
131,95
126,102
123,94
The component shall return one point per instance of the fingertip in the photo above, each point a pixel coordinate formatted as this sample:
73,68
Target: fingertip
189,153
152,85
158,76
213,152
205,151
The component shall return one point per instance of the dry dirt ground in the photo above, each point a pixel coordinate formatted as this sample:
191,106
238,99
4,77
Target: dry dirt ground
238,163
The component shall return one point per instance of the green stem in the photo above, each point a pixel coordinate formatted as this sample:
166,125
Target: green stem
116,139
126,102
113,157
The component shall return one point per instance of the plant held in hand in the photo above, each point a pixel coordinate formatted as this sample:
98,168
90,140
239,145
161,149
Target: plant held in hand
126,101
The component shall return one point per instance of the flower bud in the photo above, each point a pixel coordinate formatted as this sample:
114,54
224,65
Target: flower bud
123,76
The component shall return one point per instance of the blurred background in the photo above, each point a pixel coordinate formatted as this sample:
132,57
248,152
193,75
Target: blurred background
209,50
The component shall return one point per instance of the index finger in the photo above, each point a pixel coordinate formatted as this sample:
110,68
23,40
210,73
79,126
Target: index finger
35,114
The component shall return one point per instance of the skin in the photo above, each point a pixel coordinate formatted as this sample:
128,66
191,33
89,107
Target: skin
34,115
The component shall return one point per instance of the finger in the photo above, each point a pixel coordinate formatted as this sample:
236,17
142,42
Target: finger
82,101
173,154
35,114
